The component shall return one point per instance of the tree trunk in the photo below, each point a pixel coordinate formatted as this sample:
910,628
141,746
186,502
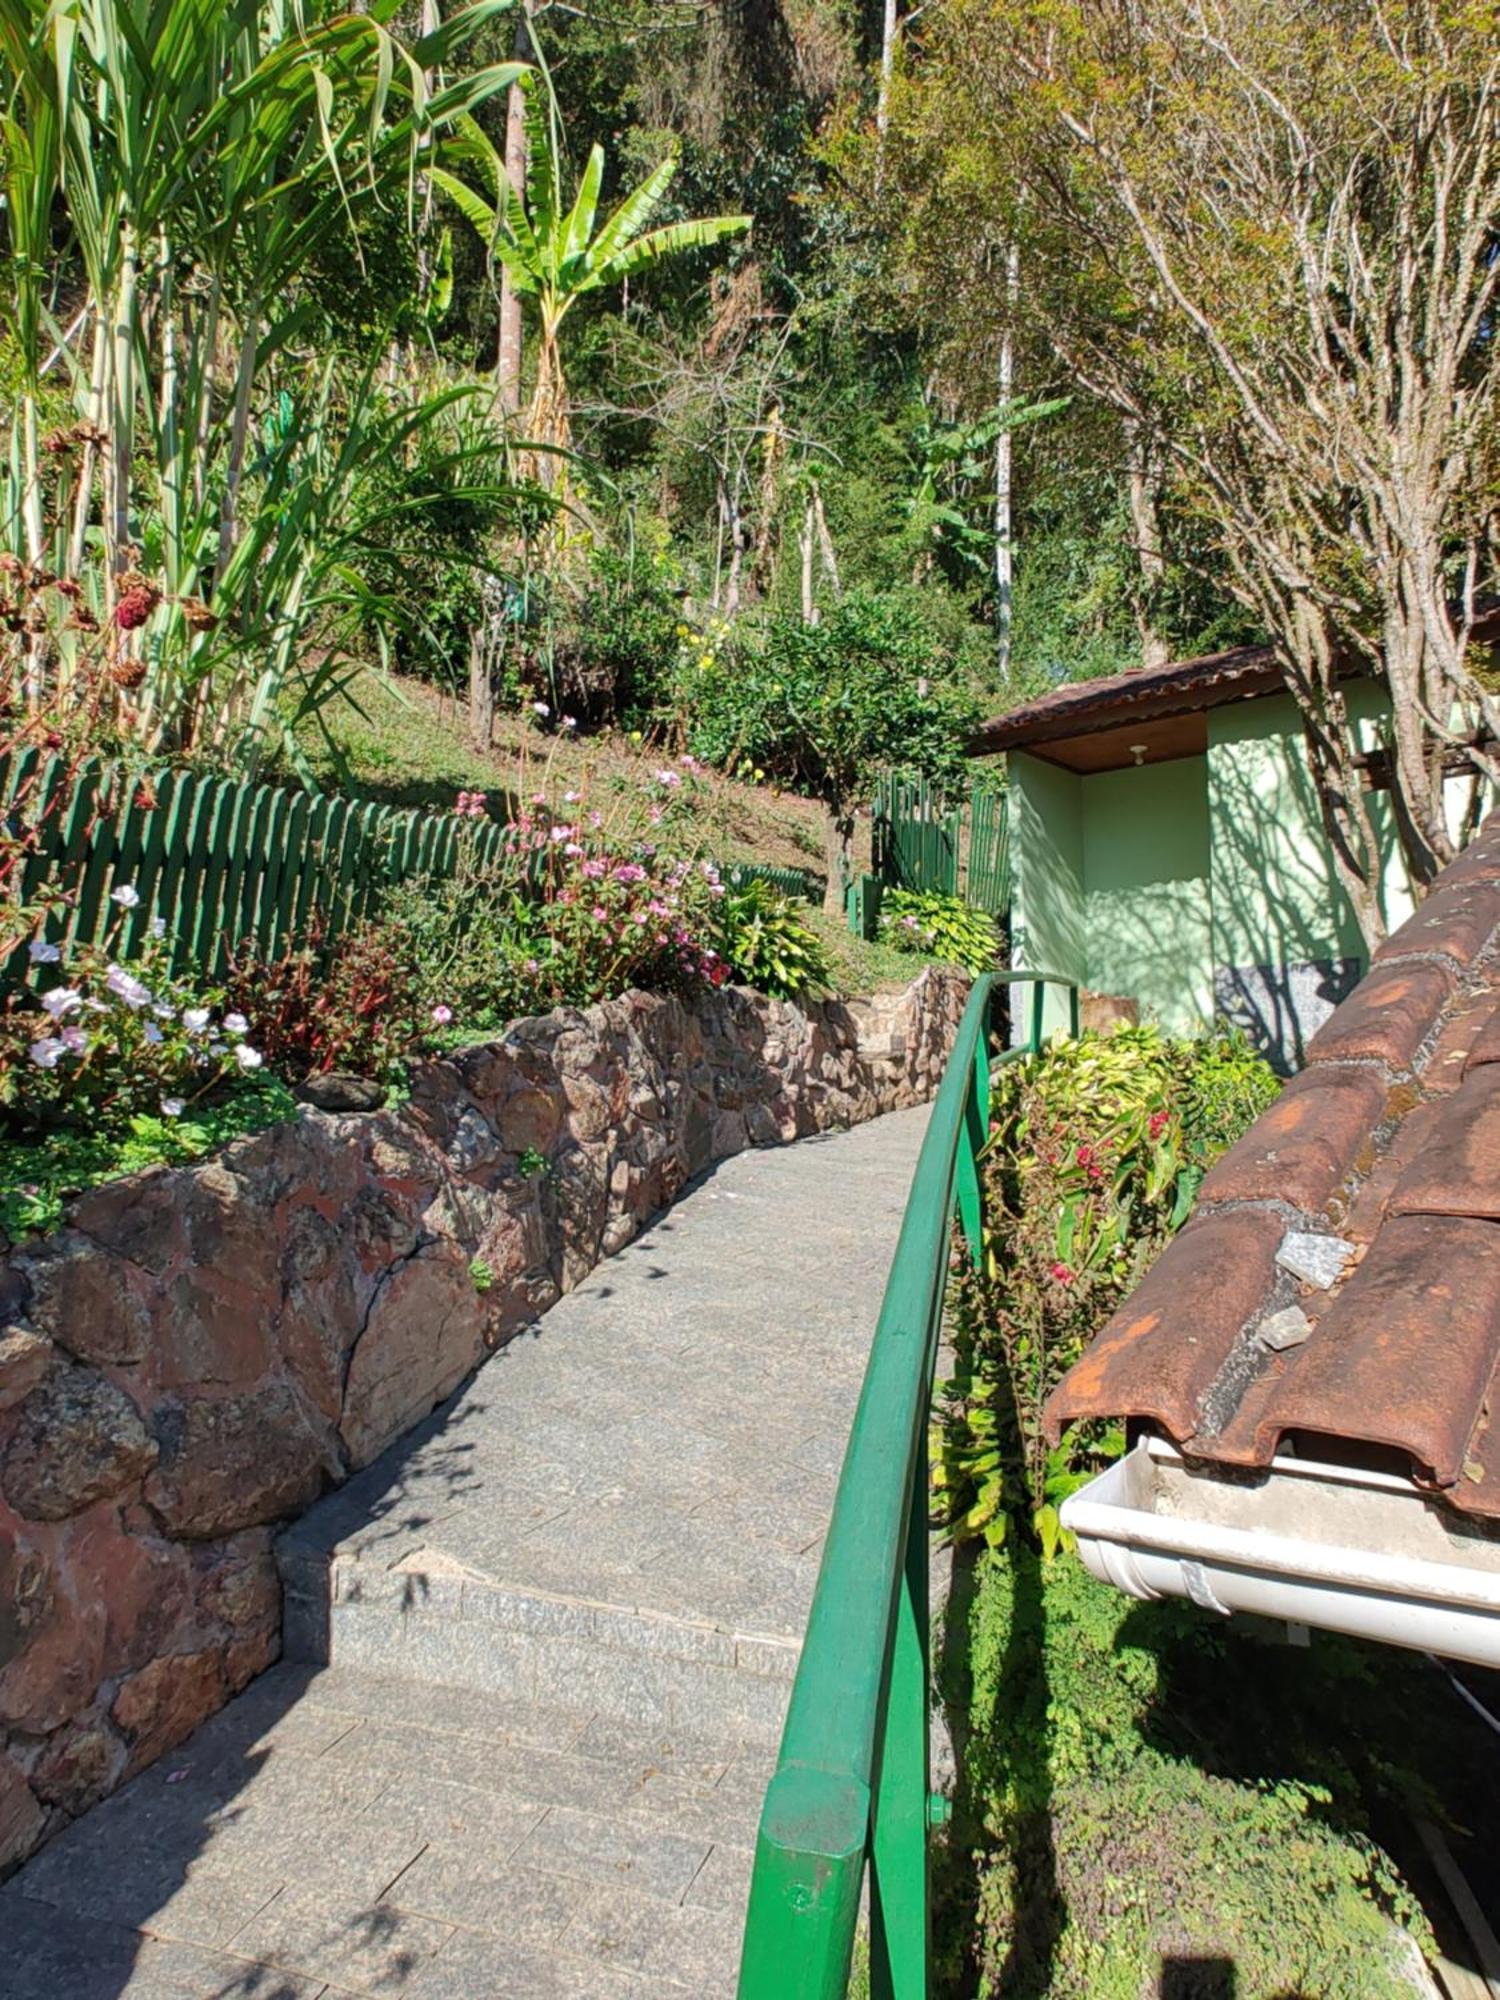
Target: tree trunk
486,650
805,547
1005,387
890,32
1145,521
512,331
840,857
825,542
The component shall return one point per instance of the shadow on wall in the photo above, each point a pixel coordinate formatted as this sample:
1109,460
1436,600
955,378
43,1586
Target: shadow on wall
1286,945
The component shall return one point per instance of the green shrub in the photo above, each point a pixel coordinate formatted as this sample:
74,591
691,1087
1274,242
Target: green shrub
767,944
38,1176
939,926
102,1059
1096,1150
1142,1784
355,1007
612,651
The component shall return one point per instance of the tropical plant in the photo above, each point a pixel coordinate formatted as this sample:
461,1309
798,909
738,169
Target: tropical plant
200,159
556,251
939,926
1095,1153
767,944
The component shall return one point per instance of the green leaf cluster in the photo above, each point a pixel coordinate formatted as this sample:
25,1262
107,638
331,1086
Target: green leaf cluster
941,927
767,944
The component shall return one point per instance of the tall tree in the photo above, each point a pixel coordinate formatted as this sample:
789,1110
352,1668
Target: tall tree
556,251
1267,237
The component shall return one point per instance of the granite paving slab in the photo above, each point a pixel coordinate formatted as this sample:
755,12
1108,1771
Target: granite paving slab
538,1653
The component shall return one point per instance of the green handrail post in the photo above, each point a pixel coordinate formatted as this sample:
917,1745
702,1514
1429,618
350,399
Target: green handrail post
900,1917
852,1777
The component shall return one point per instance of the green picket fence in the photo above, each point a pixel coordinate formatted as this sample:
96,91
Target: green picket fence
925,840
217,860
987,861
801,884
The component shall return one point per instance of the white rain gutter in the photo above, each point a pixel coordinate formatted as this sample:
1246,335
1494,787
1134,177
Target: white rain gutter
1331,1546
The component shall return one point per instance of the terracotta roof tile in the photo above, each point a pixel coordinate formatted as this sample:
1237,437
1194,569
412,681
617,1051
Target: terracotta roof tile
1463,1027
1457,920
1206,1289
1393,1135
1387,1017
1457,1170
1479,862
1403,1357
1361,1220
1302,1148
1486,1045
1478,1488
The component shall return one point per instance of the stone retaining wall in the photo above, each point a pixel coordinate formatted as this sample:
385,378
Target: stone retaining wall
202,1351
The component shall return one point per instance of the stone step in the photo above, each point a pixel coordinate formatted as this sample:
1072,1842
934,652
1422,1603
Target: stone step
430,1618
335,1824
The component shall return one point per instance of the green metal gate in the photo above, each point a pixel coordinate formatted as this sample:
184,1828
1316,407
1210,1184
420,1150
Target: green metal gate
925,840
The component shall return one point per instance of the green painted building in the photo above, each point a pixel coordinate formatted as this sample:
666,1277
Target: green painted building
1167,848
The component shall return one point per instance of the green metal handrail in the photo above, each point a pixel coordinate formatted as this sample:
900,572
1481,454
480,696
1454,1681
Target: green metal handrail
851,1786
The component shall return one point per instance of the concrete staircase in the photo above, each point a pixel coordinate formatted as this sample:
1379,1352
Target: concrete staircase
537,1656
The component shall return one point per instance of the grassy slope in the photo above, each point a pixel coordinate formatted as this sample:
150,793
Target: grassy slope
407,744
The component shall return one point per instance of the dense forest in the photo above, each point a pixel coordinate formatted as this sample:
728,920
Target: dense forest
684,366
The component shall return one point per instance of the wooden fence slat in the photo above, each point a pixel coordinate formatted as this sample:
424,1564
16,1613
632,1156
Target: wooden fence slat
295,862
87,852
208,937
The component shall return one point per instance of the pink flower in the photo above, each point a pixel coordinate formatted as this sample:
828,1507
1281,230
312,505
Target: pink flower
594,869
1063,1273
600,913
442,1015
668,778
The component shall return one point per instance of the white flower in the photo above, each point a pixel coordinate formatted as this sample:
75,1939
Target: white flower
134,992
236,1024
75,1039
248,1058
151,1032
216,1048
195,1019
173,1107
42,953
127,897
163,1012
62,1000
158,927
46,1052
540,708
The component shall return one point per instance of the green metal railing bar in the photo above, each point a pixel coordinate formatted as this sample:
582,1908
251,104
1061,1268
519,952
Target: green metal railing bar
850,1788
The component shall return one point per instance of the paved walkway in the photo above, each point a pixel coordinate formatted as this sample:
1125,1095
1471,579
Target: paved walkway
539,1654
